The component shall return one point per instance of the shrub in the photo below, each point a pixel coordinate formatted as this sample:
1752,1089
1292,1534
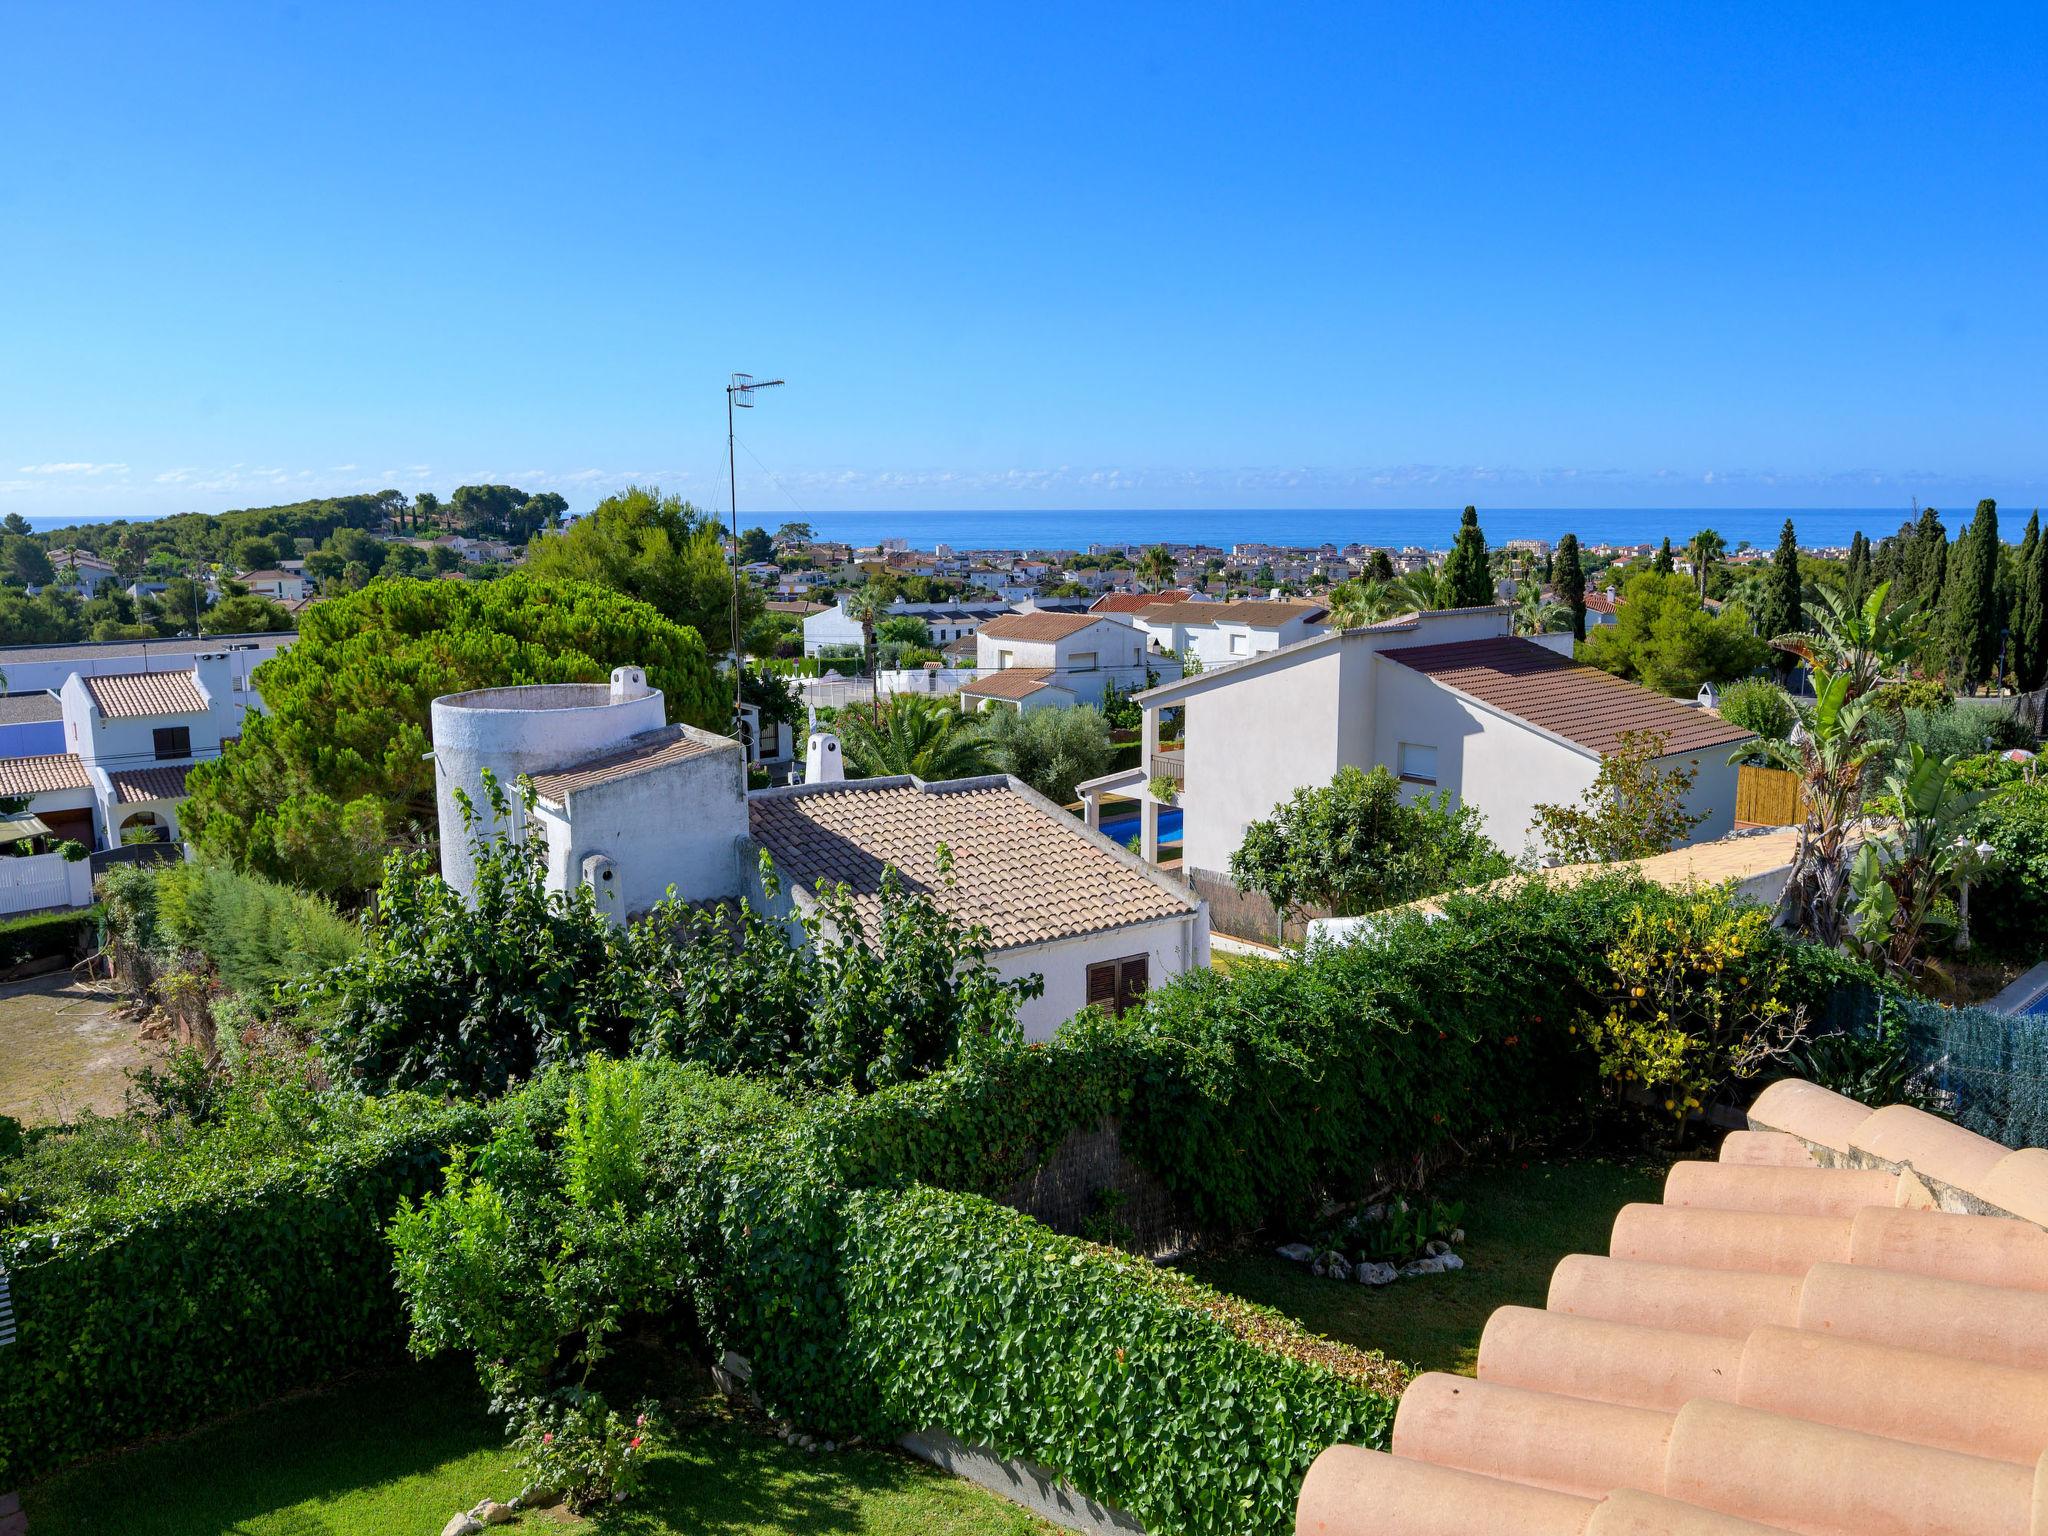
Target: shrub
2009,905
47,935
1633,809
1759,705
165,1283
1052,750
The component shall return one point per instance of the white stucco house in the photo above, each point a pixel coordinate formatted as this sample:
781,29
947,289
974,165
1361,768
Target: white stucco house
834,628
1222,634
631,808
44,668
1037,659
1447,701
280,586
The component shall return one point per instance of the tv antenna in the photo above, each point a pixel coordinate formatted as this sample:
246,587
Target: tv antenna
739,394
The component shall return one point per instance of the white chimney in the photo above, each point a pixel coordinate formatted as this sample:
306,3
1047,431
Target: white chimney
822,763
628,683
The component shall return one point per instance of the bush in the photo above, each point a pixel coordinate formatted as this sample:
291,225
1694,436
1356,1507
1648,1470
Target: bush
47,935
2009,905
1759,705
171,1284
1052,750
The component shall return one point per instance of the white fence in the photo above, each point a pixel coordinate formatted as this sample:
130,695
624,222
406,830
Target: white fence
42,881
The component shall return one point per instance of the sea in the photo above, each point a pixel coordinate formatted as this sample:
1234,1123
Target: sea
1424,527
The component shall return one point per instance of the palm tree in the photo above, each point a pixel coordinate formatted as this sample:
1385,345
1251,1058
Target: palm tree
916,735
1706,547
1156,567
1427,590
1829,750
1355,604
1861,643
865,605
1536,614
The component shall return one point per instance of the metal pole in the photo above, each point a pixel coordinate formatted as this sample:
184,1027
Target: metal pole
733,502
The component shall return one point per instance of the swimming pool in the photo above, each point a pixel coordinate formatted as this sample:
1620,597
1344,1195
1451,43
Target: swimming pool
1124,826
2026,998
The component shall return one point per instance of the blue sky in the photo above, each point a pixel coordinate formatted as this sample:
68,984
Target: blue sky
1034,256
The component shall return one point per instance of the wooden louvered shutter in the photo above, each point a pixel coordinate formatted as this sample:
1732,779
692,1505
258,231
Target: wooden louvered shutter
1102,986
1136,975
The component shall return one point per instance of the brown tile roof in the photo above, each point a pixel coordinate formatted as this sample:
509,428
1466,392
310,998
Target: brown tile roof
36,775
131,695
1600,602
1260,613
165,782
643,753
1581,704
1022,868
796,605
268,578
1840,1326
1132,602
1038,625
1010,683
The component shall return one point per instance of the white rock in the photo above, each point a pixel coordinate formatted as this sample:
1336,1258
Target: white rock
1423,1267
491,1512
1450,1261
1298,1253
1458,1235
1375,1274
461,1524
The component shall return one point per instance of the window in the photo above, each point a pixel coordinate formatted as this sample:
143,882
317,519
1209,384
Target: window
172,741
1239,644
1418,764
1116,986
1081,661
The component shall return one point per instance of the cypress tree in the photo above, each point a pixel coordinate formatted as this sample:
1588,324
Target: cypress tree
1782,610
1969,617
1859,582
1662,564
2030,610
1885,561
1470,579
1923,566
1571,582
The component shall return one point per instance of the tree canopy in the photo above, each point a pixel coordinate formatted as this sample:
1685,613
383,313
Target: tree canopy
1570,580
1467,571
332,773
1664,639
657,548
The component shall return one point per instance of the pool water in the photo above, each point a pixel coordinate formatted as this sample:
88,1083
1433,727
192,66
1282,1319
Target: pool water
1124,826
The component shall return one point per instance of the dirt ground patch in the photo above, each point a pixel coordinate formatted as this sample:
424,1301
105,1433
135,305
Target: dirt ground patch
64,1049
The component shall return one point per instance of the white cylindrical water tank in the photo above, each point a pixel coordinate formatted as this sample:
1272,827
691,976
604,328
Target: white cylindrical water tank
529,730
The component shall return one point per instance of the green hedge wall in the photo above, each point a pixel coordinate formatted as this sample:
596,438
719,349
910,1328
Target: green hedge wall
41,935
1126,1381
154,1308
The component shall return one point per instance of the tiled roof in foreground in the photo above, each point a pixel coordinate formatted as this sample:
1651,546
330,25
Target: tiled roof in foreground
135,695
1578,703
1022,868
134,785
1840,1328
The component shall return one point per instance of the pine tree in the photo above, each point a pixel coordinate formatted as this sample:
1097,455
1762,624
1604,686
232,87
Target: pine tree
1923,564
1571,583
1969,610
2030,610
1662,564
1466,571
1782,611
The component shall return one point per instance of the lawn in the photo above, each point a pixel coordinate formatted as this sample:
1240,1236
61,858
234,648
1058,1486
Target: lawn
400,1452
1519,1220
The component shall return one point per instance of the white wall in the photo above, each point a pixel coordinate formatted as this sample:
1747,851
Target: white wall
1485,760
1172,945
25,674
680,824
44,880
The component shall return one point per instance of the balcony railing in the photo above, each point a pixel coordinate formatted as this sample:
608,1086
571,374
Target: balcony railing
1171,765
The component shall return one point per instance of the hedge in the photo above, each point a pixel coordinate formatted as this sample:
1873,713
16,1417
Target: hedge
1142,1388
42,935
152,1308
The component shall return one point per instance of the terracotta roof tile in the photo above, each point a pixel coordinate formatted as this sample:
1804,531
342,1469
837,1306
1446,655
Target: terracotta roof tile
1010,683
1578,703
164,782
1132,602
1026,872
131,695
39,774
653,750
1038,625
1260,613
1799,1338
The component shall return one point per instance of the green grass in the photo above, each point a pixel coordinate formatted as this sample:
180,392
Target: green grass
1519,1221
401,1452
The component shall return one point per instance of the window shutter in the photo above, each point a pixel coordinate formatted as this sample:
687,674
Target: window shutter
1135,978
1102,986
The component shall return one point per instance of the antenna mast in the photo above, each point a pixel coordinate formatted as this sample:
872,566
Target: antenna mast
738,394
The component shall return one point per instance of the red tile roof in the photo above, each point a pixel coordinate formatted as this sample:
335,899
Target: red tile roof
653,750
1010,683
1132,602
1578,703
132,785
40,774
1022,869
133,695
1038,625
